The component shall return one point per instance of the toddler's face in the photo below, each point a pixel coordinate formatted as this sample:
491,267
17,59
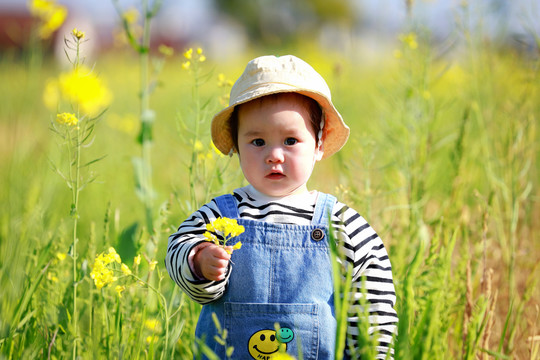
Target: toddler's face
276,145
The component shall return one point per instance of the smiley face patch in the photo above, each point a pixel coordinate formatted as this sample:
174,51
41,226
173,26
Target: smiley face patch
267,344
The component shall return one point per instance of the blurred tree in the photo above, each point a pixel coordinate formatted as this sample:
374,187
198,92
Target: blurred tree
278,22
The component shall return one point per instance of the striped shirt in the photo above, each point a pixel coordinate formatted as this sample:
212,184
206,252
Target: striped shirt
362,248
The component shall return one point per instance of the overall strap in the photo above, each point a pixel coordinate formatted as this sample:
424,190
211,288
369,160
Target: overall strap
323,209
227,206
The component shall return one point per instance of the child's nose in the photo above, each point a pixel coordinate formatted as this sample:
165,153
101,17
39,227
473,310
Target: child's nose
275,155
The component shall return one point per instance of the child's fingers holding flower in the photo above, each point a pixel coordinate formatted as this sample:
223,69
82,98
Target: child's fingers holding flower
211,261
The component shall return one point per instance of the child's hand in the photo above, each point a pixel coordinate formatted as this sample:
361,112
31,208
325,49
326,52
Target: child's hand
211,261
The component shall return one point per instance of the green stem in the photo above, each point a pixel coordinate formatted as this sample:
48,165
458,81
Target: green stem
146,181
75,214
165,309
193,165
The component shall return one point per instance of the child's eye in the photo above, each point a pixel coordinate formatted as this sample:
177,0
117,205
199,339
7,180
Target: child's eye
290,141
258,142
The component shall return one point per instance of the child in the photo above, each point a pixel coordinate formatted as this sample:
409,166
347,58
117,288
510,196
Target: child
276,292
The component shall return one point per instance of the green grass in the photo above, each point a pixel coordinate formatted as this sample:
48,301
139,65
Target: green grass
442,161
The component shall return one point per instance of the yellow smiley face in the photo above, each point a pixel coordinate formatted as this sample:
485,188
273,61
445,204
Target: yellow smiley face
264,345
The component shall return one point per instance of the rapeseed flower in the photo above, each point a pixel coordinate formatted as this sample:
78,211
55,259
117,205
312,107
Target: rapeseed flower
50,14
78,34
119,289
166,50
131,16
223,229
190,57
125,269
101,273
80,87
153,324
409,40
67,119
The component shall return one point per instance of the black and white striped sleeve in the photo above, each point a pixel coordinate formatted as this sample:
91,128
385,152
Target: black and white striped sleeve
372,283
181,243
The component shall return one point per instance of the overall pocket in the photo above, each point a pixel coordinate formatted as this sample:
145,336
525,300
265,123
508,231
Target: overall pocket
260,331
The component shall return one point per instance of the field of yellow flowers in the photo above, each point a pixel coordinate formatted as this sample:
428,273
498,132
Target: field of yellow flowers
100,161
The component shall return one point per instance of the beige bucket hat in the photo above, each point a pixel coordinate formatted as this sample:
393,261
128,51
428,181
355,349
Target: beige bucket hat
267,75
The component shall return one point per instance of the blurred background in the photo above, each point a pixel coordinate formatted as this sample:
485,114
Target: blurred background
226,28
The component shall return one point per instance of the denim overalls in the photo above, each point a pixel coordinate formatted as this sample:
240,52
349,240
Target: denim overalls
280,294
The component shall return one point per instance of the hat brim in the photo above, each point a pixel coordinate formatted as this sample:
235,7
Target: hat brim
335,131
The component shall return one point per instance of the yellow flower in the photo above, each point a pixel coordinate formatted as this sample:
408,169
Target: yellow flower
101,274
188,54
60,256
202,58
409,39
186,65
153,324
211,237
113,256
78,34
199,51
216,149
223,82
198,146
137,260
119,289
82,87
152,265
67,119
166,50
151,339
236,246
225,229
131,16
50,14
125,269
78,87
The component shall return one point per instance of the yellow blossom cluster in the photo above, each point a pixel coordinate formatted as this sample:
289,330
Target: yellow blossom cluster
224,83
50,14
131,16
226,229
101,273
409,40
193,56
78,34
67,119
80,87
166,50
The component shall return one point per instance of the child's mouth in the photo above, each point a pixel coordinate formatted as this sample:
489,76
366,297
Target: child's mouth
275,176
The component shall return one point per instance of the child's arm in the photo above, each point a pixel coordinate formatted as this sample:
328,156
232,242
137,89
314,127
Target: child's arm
372,281
183,248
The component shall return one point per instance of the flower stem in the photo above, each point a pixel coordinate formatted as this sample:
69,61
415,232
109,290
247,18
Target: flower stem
75,189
